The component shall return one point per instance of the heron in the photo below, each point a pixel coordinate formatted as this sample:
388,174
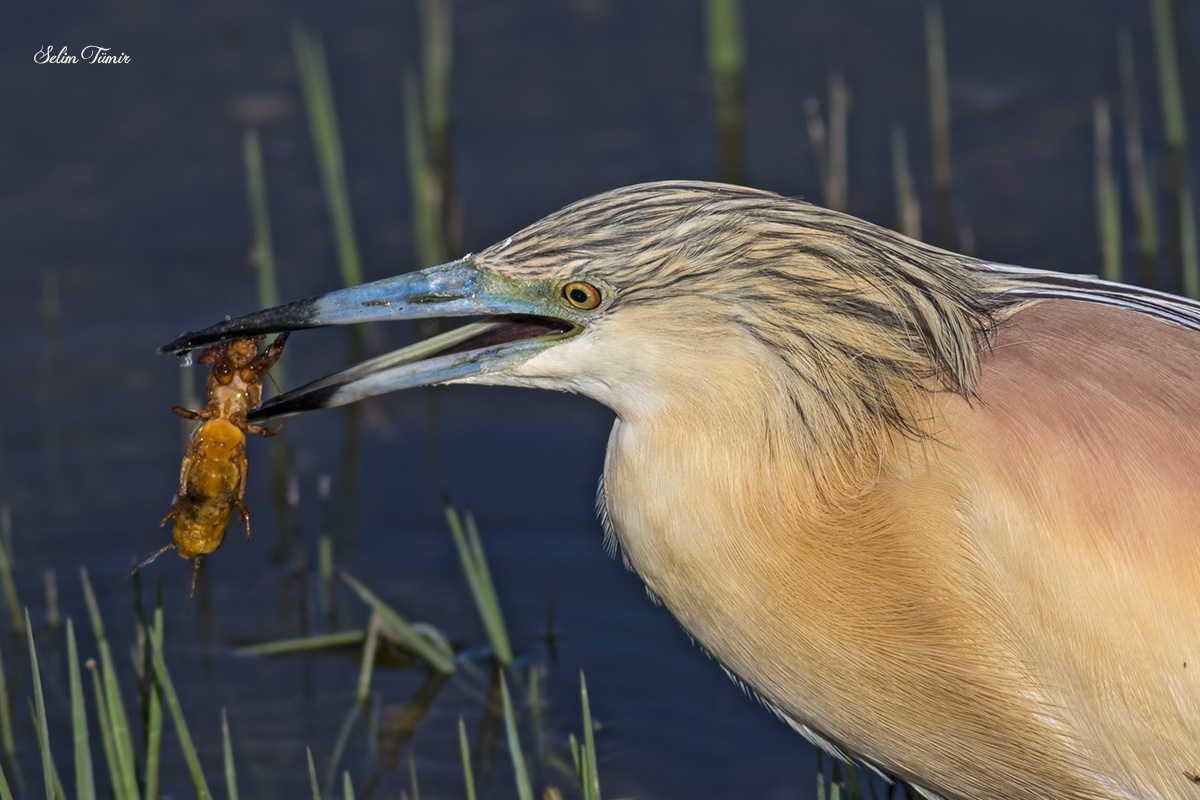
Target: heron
940,514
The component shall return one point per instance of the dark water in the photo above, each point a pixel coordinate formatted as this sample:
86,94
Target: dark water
122,196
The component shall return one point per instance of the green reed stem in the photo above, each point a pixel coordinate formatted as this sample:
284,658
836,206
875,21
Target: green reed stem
726,67
154,710
123,766
50,582
262,252
908,207
181,729
227,753
939,123
1170,86
7,581
5,792
465,750
589,775
43,729
312,775
1135,157
479,580
1175,132
1190,246
85,786
322,121
6,725
426,199
520,771
106,738
1108,206
838,189
432,650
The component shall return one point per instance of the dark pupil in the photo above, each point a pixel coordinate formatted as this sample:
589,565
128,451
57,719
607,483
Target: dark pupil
579,296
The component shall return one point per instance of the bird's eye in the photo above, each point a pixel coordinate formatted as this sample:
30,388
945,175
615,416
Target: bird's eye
582,295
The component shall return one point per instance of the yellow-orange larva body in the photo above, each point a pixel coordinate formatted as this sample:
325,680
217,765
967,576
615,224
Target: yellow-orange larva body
212,480
211,484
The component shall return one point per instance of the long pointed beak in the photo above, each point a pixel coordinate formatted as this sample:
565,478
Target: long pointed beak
514,329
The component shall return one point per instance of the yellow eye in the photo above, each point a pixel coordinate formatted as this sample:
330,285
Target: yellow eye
582,295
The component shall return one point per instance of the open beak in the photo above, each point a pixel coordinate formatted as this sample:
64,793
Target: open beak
514,328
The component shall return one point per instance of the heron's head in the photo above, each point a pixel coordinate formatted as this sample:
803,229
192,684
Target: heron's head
671,295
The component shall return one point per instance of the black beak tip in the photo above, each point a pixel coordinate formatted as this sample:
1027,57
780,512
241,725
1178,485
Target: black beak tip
180,345
296,401
289,317
228,329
